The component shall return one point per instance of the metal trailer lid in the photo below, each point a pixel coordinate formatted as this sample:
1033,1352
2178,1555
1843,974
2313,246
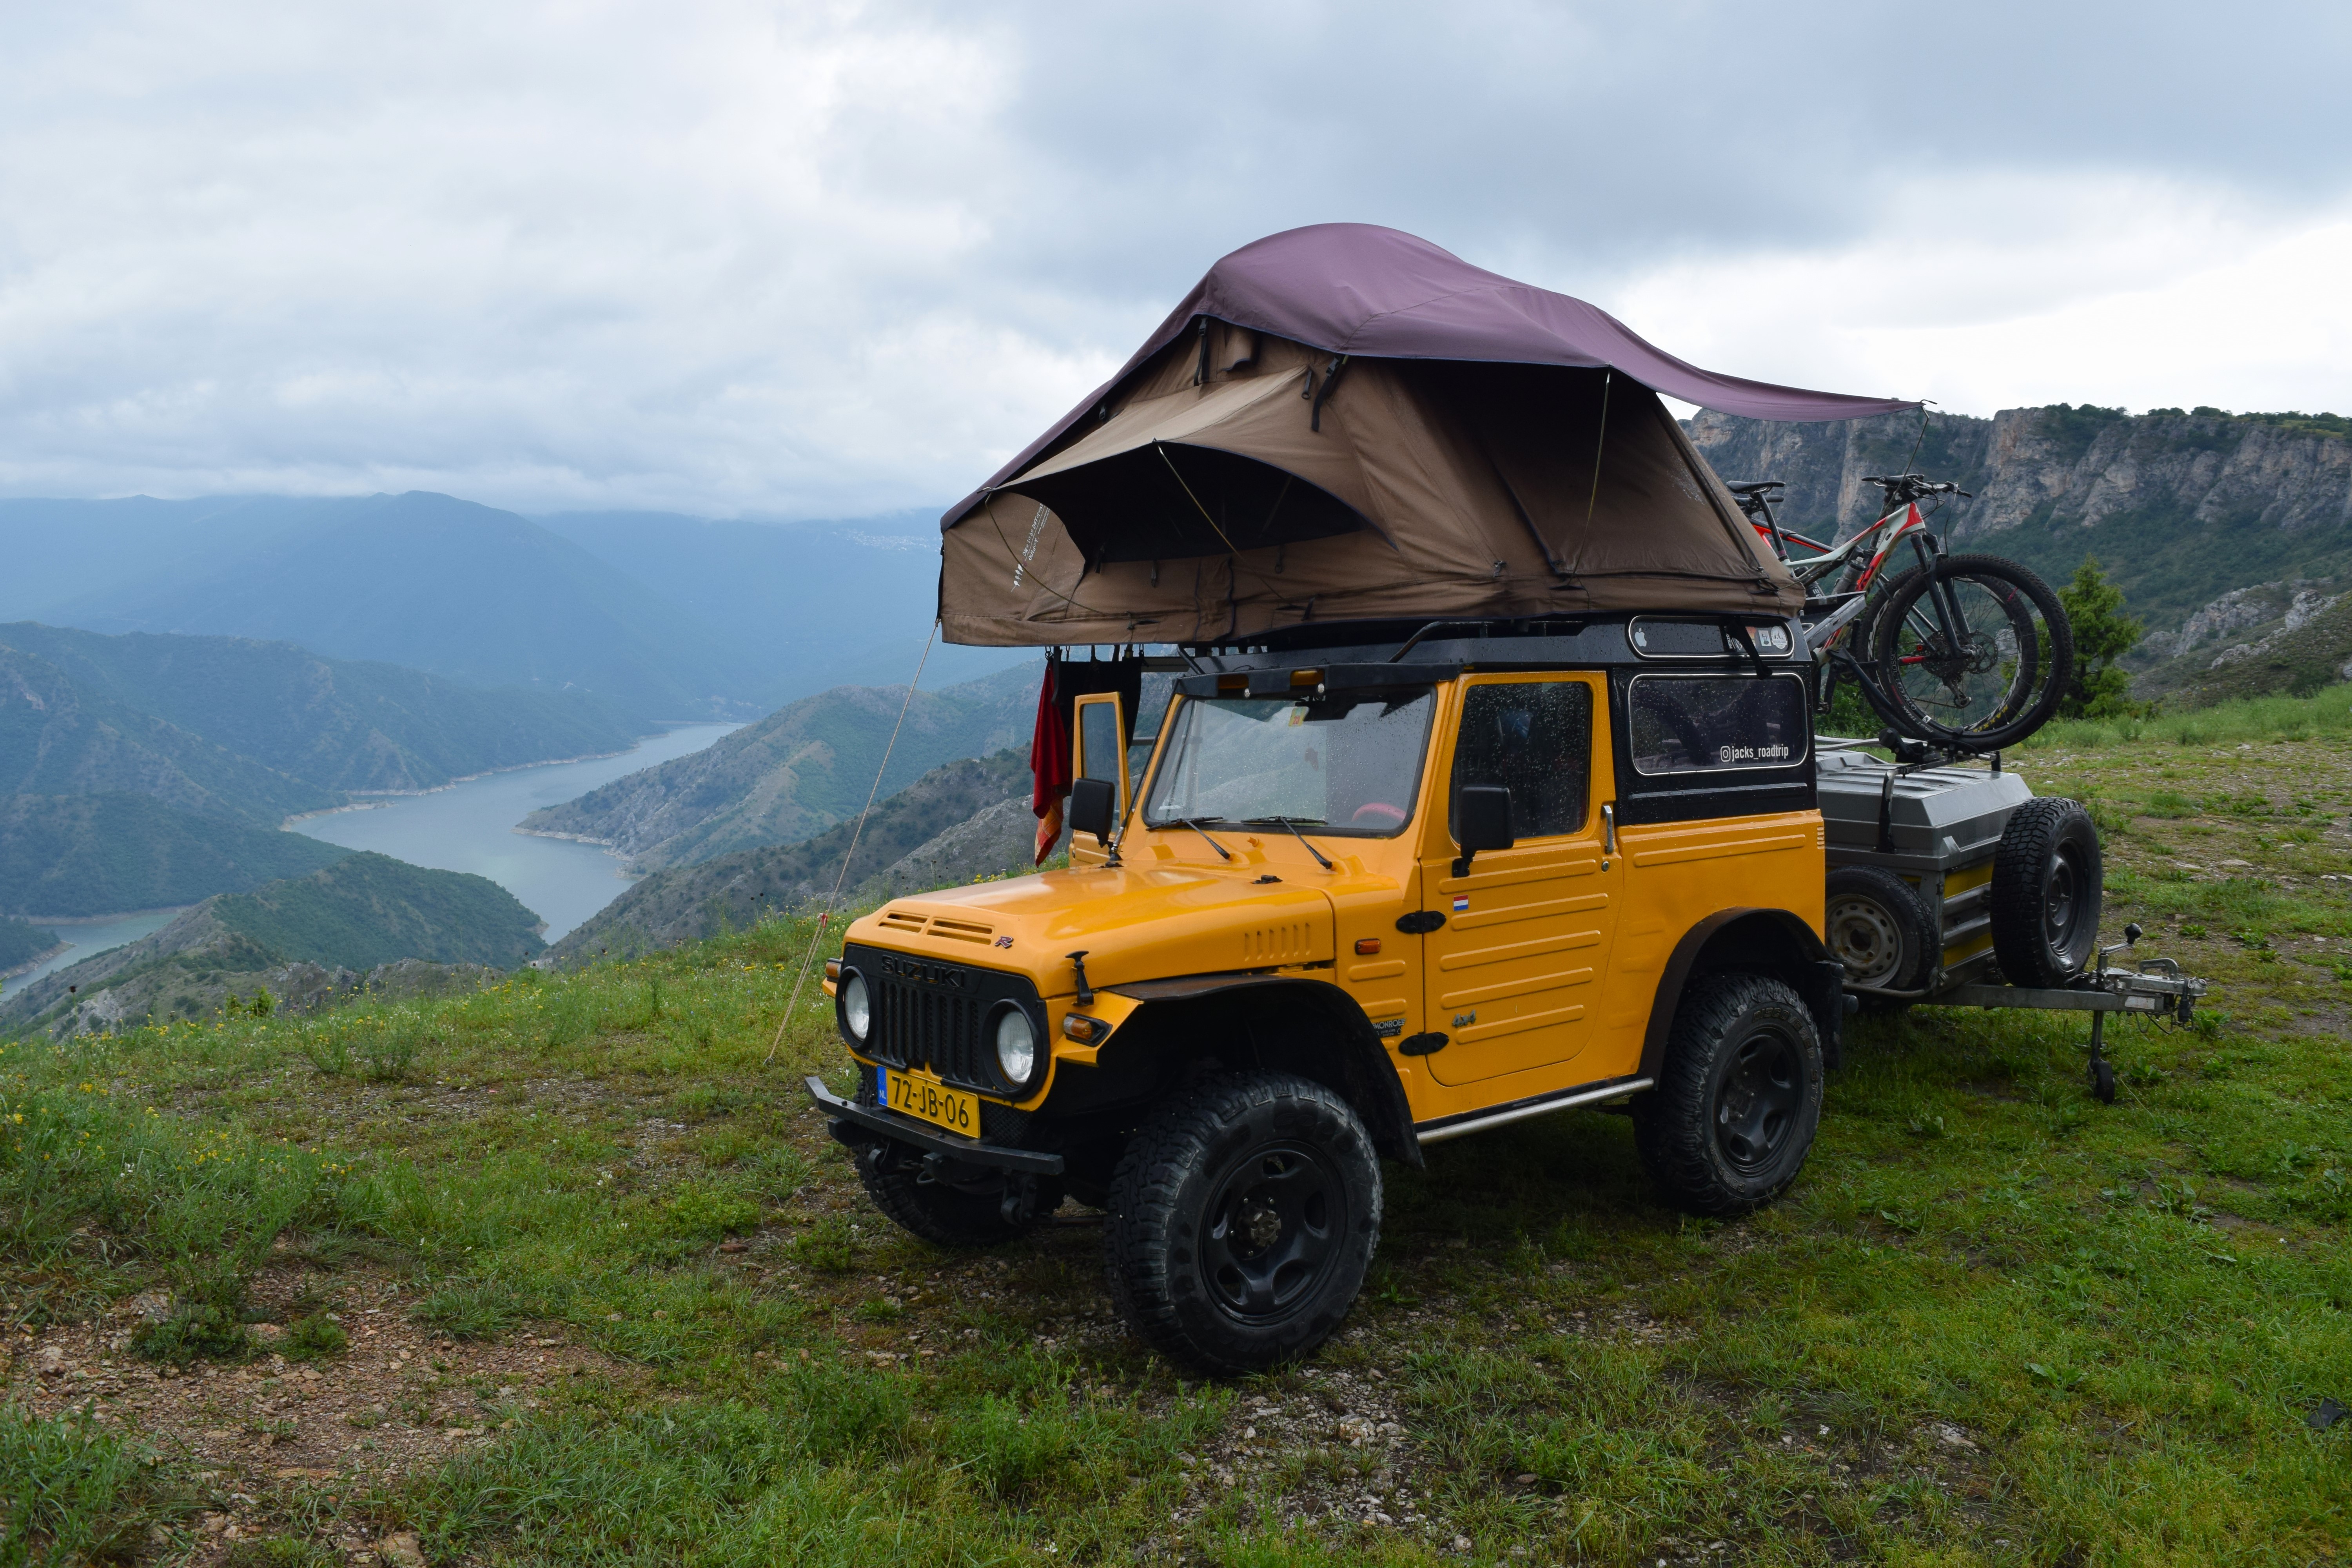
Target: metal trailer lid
1949,816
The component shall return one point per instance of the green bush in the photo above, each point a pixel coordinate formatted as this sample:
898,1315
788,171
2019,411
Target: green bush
472,1309
314,1338
71,1492
198,1330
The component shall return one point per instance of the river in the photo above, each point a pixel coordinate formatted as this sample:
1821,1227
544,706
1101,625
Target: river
467,826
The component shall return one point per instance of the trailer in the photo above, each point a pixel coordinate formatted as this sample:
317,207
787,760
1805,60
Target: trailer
1952,884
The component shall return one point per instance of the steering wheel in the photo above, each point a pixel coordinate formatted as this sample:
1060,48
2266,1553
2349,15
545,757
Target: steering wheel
1378,813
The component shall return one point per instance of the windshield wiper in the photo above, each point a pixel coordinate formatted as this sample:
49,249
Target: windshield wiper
1292,823
1194,824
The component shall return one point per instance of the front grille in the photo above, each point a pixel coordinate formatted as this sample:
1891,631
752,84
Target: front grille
915,1026
931,1014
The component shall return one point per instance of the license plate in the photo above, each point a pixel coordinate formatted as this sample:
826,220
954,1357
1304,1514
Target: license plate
921,1095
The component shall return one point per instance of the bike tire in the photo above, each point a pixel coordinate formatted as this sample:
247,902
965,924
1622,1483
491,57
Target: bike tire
1905,644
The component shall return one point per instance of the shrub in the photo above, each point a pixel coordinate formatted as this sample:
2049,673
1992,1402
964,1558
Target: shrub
313,1338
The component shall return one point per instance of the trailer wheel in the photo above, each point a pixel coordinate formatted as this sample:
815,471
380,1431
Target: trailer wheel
1879,929
1242,1217
2045,892
1738,1096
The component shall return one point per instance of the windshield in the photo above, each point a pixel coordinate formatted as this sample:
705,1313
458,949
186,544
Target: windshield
1347,766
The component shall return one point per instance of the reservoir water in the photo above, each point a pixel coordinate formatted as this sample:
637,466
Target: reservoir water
467,826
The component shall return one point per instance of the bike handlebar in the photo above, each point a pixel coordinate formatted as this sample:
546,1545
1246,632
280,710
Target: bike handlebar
1913,487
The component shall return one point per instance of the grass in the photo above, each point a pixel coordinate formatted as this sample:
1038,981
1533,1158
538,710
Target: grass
1994,1322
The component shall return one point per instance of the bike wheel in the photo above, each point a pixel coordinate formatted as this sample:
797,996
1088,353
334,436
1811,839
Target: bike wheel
1975,652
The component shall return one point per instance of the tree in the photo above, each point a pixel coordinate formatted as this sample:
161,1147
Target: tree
2103,634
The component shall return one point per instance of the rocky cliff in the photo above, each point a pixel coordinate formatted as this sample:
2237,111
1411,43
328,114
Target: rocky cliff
2221,529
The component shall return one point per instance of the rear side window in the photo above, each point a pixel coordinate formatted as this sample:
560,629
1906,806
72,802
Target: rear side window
1701,724
1535,739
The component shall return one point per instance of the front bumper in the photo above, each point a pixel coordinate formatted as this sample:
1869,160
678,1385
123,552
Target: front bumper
852,1124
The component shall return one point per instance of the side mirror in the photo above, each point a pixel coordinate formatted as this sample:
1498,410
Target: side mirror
1094,807
1482,820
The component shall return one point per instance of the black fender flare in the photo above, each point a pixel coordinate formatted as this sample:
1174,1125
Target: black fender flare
1766,941
1366,1074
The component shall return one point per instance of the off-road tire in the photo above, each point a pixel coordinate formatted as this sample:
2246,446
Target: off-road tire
1880,930
1190,1200
2045,893
1742,1069
947,1216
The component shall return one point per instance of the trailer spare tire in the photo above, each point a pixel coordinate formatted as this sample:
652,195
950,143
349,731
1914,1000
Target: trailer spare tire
2045,893
1878,928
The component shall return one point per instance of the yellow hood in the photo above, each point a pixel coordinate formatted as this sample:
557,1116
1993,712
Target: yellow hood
1132,923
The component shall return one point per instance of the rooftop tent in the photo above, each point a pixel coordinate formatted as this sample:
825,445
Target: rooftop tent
1346,423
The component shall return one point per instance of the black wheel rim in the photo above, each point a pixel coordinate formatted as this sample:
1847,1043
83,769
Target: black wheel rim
1985,680
2063,902
1756,1102
1274,1225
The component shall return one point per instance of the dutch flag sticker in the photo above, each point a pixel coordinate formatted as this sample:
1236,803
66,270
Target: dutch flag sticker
1461,903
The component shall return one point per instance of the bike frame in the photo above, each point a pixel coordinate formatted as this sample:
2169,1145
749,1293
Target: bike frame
1863,561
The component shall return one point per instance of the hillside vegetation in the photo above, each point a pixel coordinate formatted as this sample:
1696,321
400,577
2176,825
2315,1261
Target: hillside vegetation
22,944
795,772
584,1281
736,890
82,855
315,934
337,724
57,739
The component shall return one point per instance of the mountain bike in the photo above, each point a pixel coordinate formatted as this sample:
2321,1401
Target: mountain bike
1971,653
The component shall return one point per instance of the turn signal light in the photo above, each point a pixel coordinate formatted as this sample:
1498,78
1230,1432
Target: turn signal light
833,969
1367,945
1085,1031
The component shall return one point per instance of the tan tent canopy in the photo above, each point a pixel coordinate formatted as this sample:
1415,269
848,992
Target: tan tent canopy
1235,482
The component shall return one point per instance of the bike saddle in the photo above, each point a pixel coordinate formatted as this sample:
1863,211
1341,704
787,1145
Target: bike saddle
1755,486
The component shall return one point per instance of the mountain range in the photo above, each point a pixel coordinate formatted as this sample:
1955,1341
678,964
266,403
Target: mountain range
803,768
2227,533
967,818
146,771
302,936
656,616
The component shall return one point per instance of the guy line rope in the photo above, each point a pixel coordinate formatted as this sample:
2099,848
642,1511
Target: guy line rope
824,918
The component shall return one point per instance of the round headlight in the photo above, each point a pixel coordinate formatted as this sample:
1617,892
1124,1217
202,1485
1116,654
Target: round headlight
1016,1046
856,1008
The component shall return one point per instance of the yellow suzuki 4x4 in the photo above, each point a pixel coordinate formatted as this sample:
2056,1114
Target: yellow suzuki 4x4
1361,899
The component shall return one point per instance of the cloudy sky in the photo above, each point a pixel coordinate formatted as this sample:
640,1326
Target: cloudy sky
822,259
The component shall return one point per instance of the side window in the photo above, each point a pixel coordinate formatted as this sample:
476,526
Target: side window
1098,747
1535,739
1690,724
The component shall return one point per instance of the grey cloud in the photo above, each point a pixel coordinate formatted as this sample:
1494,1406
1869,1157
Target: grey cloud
821,259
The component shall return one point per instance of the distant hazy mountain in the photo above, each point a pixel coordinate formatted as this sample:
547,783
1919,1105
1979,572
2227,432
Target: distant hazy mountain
661,616
364,911
59,739
439,584
341,725
109,854
818,605
732,892
795,772
23,945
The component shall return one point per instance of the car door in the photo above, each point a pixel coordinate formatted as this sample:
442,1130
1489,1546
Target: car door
1513,975
1098,745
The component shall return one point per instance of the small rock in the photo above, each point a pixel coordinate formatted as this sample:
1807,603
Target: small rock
1526,1480
49,1360
1461,1544
400,1552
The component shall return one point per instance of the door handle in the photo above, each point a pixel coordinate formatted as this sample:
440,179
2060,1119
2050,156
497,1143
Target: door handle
1609,829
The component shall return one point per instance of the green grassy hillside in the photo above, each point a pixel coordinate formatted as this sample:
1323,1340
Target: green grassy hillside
585,1281
734,890
368,908
59,739
104,854
797,771
337,724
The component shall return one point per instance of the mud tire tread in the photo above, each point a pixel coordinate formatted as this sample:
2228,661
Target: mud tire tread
2032,836
1671,1122
1177,1152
